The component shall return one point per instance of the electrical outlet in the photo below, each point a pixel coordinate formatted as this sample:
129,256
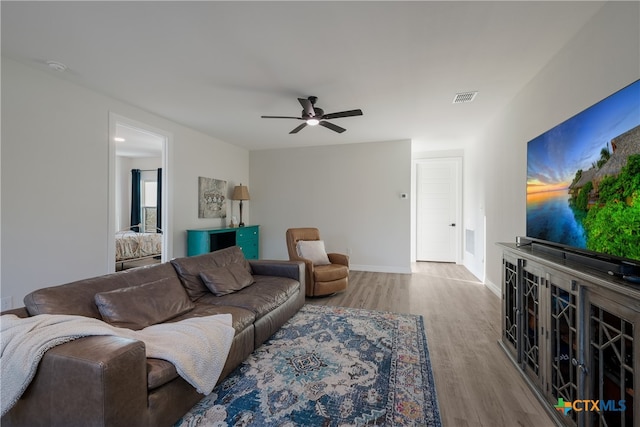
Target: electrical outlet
348,251
6,303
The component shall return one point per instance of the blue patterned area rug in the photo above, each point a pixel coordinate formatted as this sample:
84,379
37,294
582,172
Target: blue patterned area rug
330,366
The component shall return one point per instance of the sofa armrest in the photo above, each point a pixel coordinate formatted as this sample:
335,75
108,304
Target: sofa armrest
292,269
91,381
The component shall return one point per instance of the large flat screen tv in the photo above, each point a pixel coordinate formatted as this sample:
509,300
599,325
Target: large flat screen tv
583,181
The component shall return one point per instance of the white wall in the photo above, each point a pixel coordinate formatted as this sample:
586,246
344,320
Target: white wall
601,59
474,212
122,192
350,192
55,167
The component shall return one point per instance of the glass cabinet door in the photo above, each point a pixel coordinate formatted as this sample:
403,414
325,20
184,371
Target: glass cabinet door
563,344
531,331
510,306
611,348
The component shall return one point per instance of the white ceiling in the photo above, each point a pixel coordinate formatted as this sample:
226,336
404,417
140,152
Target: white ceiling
137,142
218,66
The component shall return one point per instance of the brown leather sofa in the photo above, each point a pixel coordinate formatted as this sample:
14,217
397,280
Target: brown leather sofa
107,380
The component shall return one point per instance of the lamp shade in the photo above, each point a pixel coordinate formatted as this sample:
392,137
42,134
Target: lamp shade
240,192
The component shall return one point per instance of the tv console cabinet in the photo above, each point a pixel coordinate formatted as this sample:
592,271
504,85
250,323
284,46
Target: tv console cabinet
203,240
574,335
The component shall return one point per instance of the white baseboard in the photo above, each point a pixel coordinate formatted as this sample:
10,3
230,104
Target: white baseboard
380,268
493,288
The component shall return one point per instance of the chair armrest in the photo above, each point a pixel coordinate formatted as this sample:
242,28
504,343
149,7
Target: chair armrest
91,381
339,259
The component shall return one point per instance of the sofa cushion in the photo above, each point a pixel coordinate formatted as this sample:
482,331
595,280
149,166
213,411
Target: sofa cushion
241,318
314,251
225,280
266,294
159,372
140,306
189,268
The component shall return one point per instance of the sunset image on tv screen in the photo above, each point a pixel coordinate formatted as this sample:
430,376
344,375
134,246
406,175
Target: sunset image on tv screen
583,179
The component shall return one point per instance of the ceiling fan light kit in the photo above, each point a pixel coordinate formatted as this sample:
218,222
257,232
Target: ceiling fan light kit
313,116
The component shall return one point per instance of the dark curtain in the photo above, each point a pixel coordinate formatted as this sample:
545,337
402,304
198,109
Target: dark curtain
159,202
135,200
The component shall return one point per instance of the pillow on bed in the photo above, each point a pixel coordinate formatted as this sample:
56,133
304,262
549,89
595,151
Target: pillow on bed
137,307
314,251
228,279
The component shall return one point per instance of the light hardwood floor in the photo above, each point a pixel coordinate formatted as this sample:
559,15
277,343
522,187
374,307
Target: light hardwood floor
476,384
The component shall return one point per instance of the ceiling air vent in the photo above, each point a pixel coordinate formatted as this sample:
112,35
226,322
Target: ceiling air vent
464,97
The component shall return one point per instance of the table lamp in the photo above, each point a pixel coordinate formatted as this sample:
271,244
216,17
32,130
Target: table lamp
240,192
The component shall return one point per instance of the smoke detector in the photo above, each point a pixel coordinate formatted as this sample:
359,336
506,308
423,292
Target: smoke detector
58,66
464,97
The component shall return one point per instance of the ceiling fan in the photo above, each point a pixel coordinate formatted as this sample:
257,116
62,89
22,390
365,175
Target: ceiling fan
313,115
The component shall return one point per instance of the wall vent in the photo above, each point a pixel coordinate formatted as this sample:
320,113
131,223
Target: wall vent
470,241
464,97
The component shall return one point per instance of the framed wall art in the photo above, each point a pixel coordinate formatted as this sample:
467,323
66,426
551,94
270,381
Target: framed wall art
212,198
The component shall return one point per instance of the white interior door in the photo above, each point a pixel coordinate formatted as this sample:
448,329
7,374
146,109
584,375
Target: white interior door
438,202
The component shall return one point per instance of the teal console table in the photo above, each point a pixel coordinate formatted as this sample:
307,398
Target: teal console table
205,240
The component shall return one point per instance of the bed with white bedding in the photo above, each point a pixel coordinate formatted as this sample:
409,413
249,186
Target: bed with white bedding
132,245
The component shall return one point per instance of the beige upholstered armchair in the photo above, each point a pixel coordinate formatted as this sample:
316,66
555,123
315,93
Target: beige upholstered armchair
325,273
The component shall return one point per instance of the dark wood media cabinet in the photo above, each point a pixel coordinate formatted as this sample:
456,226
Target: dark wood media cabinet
574,334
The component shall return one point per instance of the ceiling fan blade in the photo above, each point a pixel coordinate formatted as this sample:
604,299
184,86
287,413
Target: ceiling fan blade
307,106
337,115
299,128
281,117
331,126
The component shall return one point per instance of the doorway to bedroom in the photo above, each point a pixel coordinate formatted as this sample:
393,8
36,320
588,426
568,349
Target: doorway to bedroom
138,197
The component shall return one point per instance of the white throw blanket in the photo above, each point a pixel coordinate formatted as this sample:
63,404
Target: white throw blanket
198,347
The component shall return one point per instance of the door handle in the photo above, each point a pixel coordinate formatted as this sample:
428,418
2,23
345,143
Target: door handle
453,224
580,366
